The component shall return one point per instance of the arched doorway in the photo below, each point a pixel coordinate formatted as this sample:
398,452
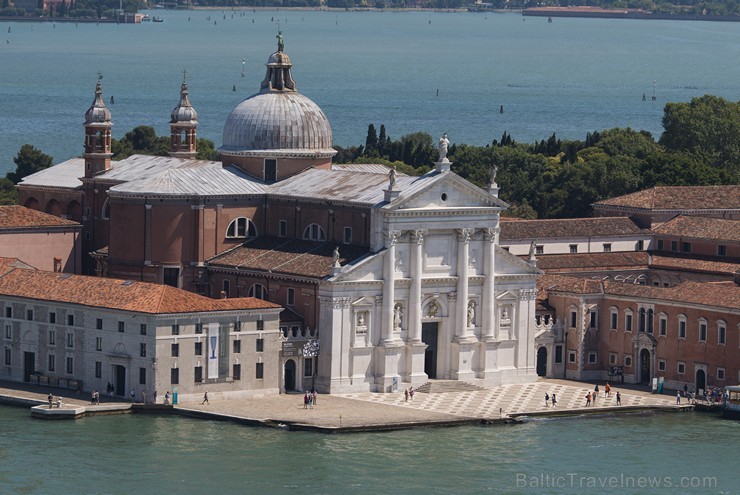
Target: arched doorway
701,381
644,366
542,361
289,375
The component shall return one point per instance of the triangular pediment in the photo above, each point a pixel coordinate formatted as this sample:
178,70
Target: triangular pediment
364,301
368,269
440,191
509,264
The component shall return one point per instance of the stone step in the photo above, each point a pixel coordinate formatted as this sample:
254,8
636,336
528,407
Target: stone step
443,386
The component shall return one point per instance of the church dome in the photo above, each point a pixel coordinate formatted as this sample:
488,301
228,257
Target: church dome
184,111
98,113
277,121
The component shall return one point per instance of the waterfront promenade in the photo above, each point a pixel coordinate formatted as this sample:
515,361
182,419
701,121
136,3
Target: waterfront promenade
386,411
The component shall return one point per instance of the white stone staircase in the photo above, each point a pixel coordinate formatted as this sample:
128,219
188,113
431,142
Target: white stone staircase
442,386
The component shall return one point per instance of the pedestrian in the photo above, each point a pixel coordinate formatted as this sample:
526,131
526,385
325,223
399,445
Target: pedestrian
314,396
594,394
167,398
305,400
205,398
92,397
51,400
133,395
411,392
547,399
588,399
685,388
143,395
310,401
678,398
406,394
607,390
96,394
619,399
554,400
154,397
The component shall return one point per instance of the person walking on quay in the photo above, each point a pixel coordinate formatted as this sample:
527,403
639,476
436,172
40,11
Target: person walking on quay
205,398
310,401
406,394
678,398
685,389
167,398
619,399
305,400
411,392
143,395
314,396
92,397
554,400
547,399
588,399
607,390
51,400
133,395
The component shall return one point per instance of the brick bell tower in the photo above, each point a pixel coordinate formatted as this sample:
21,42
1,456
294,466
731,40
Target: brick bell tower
97,135
183,126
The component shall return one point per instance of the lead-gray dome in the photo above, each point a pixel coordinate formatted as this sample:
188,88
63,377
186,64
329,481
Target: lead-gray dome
98,113
277,121
184,113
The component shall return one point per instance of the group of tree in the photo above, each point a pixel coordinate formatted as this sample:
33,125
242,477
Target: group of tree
551,178
73,8
554,178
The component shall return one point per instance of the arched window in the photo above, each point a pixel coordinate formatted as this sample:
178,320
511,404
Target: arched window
314,232
258,291
226,287
240,228
105,214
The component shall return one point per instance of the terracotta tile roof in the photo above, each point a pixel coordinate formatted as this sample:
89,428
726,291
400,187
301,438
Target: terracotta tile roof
586,261
139,297
701,228
7,264
16,216
526,230
715,294
288,256
680,198
688,264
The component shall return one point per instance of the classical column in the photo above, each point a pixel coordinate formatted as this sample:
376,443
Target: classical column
148,234
461,322
414,309
389,286
489,287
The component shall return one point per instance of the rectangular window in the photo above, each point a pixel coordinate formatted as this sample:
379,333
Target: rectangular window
663,327
720,373
142,329
8,312
270,171
70,340
721,334
612,358
52,362
171,277
283,228
29,314
674,245
640,245
661,365
142,377
71,320
721,250
291,297
539,249
681,368
98,343
592,323
175,329
260,345
99,323
175,350
236,372
121,327
52,317
98,369
237,346
52,337
573,248
347,235
198,374
613,323
685,247
199,348
681,329
260,371
174,376
607,248
573,319
558,354
628,322
70,365
260,325
660,244
8,331
628,361
8,357
571,356
591,357
702,332
198,328
142,349
308,367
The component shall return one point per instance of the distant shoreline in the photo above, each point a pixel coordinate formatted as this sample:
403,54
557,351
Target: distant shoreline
596,12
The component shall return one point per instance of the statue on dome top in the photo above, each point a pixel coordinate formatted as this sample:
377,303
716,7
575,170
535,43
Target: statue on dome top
444,143
392,178
281,44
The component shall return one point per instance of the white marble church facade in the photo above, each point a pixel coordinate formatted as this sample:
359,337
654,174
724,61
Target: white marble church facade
438,298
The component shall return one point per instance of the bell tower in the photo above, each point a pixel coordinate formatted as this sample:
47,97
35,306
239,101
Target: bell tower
97,134
183,125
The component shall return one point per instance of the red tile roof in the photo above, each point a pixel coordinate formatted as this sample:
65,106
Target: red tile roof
701,228
680,198
126,295
7,264
525,230
288,256
15,216
586,261
687,264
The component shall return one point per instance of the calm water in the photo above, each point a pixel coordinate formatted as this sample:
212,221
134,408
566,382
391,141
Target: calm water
136,454
571,76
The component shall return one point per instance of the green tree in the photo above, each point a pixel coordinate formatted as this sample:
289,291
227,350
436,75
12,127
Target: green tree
8,192
29,160
371,141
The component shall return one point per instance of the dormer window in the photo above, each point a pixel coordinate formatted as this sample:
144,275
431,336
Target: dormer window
314,232
240,228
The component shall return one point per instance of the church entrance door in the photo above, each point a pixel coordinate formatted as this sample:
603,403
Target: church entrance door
429,335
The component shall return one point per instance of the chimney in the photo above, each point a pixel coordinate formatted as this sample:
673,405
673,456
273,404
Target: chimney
223,294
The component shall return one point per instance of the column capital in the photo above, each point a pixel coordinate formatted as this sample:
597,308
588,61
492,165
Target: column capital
527,294
417,236
392,237
491,234
464,235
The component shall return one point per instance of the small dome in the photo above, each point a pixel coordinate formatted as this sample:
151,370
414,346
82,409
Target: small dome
184,111
97,113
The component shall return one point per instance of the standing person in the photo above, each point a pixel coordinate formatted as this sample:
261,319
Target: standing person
411,392
607,390
205,398
310,401
51,400
154,397
594,394
547,399
588,399
97,397
314,396
305,400
554,400
406,394
596,389
619,399
685,389
678,398
133,395
92,397
167,398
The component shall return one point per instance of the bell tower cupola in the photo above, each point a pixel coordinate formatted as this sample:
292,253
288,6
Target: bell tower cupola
183,126
97,134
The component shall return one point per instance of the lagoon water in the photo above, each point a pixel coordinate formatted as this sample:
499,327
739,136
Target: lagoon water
412,71
152,455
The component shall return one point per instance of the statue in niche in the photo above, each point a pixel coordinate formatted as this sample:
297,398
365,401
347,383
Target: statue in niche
471,313
397,317
361,319
444,144
433,309
505,313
